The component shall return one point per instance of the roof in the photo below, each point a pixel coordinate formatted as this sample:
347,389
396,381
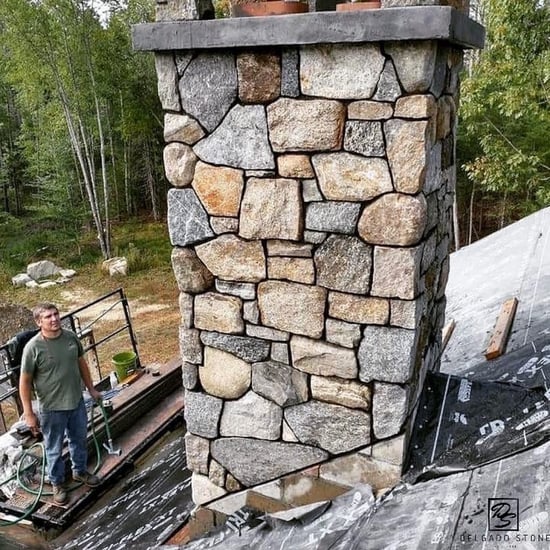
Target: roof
514,261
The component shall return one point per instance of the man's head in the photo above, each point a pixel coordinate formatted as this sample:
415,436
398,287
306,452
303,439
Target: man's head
46,316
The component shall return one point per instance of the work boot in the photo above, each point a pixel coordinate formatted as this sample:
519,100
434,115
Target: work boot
60,495
88,479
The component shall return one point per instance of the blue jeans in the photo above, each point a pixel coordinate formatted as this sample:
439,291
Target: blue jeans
54,425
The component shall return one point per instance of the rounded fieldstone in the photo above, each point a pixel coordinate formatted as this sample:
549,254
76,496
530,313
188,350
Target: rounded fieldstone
394,219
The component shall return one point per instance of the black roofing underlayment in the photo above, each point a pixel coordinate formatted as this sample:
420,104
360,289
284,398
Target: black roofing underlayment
501,408
143,510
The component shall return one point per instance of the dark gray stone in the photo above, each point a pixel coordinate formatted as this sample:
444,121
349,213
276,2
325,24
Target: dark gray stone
388,86
187,218
334,428
387,354
246,348
189,375
440,72
364,137
334,217
252,461
202,413
182,61
290,78
241,141
208,87
344,263
280,383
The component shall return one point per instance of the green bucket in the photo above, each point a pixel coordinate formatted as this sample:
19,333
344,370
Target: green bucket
123,362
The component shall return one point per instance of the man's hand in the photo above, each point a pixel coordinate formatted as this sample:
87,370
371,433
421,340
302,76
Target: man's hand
33,423
95,395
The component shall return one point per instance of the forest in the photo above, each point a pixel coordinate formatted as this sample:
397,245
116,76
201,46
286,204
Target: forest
81,128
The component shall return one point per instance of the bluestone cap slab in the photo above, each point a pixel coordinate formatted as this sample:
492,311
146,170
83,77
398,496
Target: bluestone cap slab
379,25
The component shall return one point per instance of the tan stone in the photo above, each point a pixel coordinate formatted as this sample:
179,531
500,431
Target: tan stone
305,125
197,450
358,309
271,209
218,188
224,375
407,148
341,392
231,258
287,248
295,166
300,270
216,474
179,164
349,71
292,307
321,358
358,468
391,450
396,272
204,490
349,177
394,219
223,225
181,128
415,106
369,110
191,274
343,334
414,62
218,312
186,309
259,77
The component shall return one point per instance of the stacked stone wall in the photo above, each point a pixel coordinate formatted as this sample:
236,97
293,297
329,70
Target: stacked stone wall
310,217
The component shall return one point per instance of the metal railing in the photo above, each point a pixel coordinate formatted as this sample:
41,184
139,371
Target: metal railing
9,370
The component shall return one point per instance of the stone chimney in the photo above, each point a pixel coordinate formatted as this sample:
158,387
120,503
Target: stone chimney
312,159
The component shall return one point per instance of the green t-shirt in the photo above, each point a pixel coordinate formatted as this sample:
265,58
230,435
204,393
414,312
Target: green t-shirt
53,364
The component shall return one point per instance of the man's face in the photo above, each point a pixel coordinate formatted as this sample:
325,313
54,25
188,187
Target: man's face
50,321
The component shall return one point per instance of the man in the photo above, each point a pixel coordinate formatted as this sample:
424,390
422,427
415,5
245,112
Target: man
53,364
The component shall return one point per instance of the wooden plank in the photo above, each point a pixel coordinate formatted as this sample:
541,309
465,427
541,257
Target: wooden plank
497,344
447,333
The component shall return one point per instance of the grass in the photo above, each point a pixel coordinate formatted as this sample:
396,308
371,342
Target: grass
150,286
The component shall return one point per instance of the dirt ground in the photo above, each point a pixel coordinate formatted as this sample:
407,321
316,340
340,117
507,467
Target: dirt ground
153,306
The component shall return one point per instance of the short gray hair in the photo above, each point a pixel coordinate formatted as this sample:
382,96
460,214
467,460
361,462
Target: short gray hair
39,309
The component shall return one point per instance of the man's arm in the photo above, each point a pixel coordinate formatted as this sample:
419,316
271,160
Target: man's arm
87,379
25,392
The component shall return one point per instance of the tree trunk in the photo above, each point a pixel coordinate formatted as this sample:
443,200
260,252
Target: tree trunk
150,179
456,232
471,216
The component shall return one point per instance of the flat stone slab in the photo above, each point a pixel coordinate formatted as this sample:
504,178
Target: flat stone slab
408,23
252,461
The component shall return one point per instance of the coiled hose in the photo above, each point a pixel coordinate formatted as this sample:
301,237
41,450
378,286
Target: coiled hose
40,491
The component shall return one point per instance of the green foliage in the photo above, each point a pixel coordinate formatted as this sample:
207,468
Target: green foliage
505,108
60,62
144,245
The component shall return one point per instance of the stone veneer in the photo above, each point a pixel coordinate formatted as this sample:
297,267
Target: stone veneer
310,217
